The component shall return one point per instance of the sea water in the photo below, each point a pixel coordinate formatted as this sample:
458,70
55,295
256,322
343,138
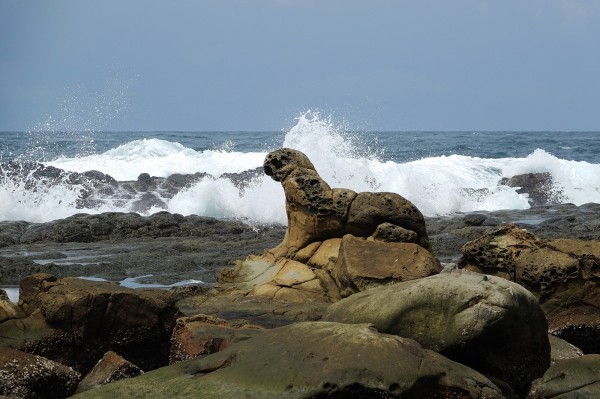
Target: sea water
440,172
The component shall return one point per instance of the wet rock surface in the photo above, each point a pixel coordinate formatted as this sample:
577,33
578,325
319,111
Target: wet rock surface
117,246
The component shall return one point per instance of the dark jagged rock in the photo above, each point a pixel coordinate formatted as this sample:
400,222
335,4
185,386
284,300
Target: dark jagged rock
243,179
111,225
28,376
75,321
539,187
176,182
96,188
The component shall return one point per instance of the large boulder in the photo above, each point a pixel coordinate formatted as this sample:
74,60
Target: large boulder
487,323
311,360
576,378
363,263
561,349
563,273
76,321
28,376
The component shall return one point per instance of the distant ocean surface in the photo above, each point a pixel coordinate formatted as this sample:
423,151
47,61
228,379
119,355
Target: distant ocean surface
441,172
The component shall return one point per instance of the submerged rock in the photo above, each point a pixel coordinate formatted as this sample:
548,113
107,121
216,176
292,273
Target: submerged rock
311,360
539,187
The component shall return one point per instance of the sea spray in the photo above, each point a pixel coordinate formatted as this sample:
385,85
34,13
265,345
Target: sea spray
437,184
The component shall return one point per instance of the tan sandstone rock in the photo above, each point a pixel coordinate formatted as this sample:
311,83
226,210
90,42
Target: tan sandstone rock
564,274
8,309
362,264
306,266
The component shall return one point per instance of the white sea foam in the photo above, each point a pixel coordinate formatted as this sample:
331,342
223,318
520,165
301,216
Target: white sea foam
438,185
160,158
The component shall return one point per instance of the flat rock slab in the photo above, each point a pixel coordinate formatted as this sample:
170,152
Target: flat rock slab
238,307
577,378
311,360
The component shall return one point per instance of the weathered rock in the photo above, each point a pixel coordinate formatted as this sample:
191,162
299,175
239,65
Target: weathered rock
363,264
389,232
487,323
311,360
110,368
576,378
369,210
81,320
561,349
563,273
316,212
280,279
28,376
305,266
203,335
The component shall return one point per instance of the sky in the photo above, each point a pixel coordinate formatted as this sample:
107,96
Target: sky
256,65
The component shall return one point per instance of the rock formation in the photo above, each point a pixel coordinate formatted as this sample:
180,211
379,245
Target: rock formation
487,323
563,273
312,360
318,259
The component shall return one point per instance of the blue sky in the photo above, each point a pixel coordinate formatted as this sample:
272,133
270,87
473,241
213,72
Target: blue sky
255,65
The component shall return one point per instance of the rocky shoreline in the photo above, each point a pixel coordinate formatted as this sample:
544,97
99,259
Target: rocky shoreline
117,246
359,297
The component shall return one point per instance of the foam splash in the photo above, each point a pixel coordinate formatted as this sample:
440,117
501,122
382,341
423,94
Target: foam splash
439,185
160,158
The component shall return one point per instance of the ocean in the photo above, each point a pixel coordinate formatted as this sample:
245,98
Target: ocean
442,173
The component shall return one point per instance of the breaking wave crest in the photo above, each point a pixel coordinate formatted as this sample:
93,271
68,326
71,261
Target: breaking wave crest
151,175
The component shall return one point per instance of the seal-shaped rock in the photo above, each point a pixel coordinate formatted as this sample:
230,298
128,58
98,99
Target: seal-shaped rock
316,212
